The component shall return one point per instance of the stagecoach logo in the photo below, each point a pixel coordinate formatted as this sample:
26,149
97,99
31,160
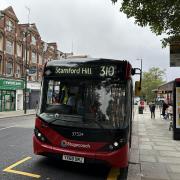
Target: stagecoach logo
65,143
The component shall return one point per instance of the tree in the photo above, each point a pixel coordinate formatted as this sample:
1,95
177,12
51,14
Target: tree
151,80
160,16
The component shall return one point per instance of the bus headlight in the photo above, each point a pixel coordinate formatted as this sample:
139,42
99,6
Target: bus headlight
114,146
39,135
111,147
117,144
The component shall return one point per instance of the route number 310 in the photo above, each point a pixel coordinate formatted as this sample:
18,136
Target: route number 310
107,71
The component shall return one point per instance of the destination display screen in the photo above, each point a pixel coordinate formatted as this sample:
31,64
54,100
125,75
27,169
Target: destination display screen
102,71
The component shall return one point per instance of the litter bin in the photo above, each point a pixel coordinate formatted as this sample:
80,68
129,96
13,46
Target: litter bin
140,110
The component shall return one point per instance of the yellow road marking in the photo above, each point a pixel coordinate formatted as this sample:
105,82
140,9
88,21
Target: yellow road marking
9,169
113,174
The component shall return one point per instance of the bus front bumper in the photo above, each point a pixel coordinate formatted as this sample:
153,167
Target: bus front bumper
118,158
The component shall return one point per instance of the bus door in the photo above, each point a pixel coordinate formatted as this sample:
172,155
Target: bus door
176,110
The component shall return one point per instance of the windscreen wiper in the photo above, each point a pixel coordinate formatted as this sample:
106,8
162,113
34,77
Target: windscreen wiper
61,117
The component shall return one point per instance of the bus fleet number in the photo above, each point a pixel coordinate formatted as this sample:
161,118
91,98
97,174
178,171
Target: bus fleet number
107,71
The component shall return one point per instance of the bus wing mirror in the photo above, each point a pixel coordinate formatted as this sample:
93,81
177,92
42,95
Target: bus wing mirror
135,71
137,88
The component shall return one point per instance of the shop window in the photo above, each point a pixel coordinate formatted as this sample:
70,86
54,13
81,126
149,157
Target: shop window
9,47
7,100
9,69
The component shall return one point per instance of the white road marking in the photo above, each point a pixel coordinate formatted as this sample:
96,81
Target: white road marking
7,128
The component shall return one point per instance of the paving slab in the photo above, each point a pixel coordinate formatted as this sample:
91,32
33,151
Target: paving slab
174,176
134,156
134,172
172,160
148,158
165,148
155,171
174,168
169,153
143,146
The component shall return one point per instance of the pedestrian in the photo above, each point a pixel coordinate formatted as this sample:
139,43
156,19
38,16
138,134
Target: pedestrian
164,107
152,108
142,104
170,112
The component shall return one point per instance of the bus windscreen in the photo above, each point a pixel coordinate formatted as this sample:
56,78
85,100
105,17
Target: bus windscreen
84,103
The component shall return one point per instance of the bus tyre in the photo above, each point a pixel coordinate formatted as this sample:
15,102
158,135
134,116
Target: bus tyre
123,174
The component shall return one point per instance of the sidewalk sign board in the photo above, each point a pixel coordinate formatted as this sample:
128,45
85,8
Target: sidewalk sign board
176,110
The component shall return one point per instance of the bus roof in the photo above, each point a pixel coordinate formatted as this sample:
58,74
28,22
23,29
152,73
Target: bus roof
68,61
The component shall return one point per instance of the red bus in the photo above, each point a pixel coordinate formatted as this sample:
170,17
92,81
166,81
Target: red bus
85,112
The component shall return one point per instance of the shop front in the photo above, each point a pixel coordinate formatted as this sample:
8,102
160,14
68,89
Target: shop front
11,94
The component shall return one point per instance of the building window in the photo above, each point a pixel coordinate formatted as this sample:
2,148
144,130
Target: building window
1,64
34,58
10,25
24,58
9,69
40,60
45,60
18,71
1,42
33,40
9,47
19,50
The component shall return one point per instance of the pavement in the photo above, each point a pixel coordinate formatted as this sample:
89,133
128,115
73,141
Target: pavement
154,154
7,114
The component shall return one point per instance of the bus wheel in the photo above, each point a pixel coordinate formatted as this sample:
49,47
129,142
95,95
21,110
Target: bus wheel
123,173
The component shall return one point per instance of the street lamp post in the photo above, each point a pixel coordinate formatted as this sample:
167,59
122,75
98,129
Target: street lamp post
140,71
25,75
26,71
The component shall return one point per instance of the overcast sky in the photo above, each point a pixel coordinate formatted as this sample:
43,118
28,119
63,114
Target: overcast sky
96,28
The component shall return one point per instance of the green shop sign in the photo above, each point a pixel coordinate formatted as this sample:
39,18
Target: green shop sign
10,84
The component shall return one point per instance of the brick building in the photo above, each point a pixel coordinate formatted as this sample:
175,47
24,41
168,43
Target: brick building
22,53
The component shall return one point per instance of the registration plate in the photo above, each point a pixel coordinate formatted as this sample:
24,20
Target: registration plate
73,158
